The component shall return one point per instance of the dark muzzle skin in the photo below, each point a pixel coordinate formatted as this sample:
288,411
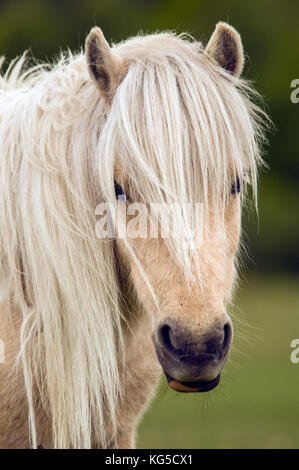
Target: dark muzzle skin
192,364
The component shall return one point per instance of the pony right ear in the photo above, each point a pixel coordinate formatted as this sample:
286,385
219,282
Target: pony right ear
104,67
226,48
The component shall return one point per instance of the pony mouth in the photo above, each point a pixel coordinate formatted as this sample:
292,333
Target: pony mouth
192,387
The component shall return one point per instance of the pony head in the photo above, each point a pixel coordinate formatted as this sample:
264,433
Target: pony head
180,129
165,132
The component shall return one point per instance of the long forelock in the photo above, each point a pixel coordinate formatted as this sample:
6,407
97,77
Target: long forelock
182,128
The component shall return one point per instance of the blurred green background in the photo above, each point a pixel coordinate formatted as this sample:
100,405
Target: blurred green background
257,404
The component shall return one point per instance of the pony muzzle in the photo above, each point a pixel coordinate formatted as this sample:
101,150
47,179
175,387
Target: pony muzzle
192,365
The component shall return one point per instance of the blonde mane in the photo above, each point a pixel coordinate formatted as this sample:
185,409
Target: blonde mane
174,117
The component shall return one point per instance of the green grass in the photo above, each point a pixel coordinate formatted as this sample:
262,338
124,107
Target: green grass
256,404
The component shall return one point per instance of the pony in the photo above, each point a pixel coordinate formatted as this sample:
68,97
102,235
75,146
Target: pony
89,322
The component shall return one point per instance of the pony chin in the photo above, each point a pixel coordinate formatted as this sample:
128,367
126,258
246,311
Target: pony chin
192,387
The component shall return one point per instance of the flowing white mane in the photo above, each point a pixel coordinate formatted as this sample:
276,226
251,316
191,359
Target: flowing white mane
182,128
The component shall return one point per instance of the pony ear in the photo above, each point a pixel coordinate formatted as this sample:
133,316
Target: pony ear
104,67
226,48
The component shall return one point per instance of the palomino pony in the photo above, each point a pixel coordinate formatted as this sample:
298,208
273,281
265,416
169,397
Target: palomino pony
88,321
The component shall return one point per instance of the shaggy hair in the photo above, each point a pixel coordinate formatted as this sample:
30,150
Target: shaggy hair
182,128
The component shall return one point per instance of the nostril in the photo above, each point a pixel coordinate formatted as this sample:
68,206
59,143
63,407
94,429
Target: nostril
164,336
173,340
219,342
226,338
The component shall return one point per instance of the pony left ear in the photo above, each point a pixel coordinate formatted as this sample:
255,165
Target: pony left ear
226,48
104,66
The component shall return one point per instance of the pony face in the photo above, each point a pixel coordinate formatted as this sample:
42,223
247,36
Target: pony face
180,130
191,329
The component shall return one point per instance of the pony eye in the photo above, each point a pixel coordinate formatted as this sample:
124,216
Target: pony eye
236,186
119,192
